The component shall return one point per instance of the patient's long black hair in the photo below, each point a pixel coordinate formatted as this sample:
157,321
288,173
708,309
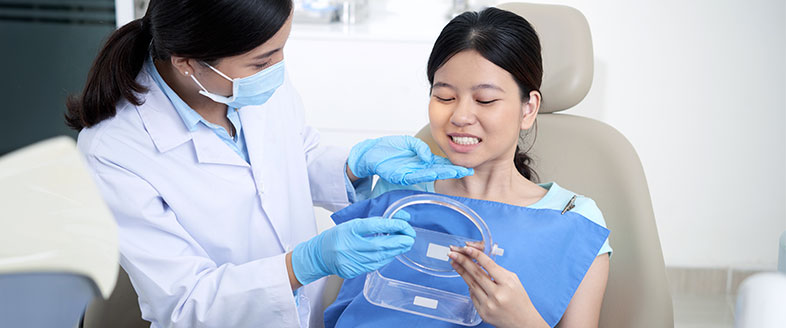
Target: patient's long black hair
206,30
503,38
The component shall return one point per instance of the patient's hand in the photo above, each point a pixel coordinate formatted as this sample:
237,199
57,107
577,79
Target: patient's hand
497,293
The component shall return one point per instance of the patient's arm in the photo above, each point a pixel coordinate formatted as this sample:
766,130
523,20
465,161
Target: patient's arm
584,308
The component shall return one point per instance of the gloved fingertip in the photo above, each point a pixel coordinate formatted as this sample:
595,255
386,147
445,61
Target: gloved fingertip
448,174
410,232
422,149
468,171
402,215
441,160
412,178
401,242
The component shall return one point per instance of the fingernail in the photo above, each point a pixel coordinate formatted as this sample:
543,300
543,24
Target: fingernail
452,255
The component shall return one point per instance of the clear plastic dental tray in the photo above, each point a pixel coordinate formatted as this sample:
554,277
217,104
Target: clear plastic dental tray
439,222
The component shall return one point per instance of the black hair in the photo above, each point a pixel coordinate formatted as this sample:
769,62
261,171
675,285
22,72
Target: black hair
206,30
503,38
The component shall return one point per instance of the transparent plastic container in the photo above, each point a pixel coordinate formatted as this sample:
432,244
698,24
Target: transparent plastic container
429,256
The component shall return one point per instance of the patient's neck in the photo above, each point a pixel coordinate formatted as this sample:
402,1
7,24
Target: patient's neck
496,181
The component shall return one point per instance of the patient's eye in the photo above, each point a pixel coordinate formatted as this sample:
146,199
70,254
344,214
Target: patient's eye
486,102
443,99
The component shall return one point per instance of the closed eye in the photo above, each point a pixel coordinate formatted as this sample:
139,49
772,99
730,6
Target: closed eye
486,102
444,99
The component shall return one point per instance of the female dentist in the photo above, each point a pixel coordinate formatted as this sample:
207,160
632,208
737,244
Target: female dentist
197,141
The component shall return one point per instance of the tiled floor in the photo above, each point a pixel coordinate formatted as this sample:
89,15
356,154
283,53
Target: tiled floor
705,311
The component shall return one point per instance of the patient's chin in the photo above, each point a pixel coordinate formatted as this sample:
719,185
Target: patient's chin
462,160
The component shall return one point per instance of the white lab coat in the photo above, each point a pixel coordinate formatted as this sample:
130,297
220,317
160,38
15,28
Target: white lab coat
202,233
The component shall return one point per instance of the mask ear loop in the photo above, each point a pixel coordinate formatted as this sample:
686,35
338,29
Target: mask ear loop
204,91
218,72
197,82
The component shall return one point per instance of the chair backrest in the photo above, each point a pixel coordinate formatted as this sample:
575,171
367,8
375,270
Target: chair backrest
593,159
58,239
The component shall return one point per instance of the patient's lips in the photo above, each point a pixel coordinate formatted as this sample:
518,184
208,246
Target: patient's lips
463,142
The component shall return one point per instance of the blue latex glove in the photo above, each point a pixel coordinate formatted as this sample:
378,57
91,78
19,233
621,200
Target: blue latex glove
352,248
402,160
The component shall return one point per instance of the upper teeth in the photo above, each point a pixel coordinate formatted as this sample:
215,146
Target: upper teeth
465,140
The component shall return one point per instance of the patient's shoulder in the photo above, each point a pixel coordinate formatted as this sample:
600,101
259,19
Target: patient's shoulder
557,198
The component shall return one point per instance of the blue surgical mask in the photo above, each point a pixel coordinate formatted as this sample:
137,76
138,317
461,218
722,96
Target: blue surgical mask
253,90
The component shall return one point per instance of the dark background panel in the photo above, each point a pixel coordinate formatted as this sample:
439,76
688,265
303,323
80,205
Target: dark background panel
46,49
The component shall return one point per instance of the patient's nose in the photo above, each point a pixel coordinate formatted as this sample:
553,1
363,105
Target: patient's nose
464,114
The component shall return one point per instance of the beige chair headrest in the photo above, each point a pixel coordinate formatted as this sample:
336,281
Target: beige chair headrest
566,50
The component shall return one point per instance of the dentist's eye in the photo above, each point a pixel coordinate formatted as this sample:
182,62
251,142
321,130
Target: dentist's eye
486,102
261,66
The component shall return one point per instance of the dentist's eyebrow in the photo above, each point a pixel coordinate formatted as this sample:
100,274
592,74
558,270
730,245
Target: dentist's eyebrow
487,86
267,54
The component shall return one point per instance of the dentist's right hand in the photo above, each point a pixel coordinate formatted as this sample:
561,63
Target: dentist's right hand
351,248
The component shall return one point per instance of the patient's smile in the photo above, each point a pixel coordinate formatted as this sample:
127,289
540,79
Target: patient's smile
462,142
465,140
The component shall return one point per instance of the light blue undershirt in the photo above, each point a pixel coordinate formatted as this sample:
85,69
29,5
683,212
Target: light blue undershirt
556,198
191,118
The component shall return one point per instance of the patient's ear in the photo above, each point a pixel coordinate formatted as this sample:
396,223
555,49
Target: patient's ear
529,110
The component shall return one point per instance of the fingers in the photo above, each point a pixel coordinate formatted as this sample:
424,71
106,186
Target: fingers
476,244
460,170
419,175
396,244
420,148
375,225
475,289
435,172
439,160
402,215
494,270
472,269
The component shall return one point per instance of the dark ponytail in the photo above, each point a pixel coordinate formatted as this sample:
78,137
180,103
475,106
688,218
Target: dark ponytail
523,161
503,38
198,29
112,76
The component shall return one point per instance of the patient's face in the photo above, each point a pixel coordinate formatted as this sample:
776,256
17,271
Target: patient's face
476,112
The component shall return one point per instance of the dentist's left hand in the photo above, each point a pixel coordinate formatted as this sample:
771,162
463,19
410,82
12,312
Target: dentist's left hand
352,248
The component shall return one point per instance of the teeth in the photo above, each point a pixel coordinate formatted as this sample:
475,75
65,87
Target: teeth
465,140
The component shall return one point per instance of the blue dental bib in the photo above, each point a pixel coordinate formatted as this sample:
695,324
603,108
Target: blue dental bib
549,251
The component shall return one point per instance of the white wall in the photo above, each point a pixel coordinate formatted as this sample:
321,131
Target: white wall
699,88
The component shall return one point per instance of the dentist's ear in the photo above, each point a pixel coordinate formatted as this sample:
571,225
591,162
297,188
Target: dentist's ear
530,110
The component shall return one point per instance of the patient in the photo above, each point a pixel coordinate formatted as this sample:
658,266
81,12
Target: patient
485,72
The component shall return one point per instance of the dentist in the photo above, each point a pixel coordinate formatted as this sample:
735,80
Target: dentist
197,141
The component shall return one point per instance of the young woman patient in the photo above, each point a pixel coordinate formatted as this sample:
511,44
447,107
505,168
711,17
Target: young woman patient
485,72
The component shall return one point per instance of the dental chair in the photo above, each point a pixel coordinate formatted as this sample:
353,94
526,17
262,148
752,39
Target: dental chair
593,159
761,298
58,239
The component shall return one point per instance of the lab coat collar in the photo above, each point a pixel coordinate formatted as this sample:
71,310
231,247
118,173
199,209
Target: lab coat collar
167,129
